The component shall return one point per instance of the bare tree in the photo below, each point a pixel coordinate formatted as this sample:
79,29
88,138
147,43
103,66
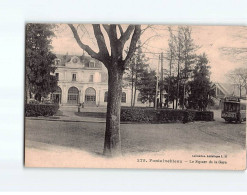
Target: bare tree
239,77
115,64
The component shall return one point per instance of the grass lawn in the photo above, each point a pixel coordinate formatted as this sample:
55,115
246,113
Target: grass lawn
138,138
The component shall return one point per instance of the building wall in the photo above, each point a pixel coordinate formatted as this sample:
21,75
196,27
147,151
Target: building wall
83,82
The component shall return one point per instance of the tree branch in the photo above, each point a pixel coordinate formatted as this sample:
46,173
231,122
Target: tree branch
120,29
126,35
106,27
92,53
113,40
132,48
100,40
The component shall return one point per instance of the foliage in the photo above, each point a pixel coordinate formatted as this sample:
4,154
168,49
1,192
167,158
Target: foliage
39,59
204,116
150,115
147,86
40,109
181,56
170,85
138,114
201,91
135,71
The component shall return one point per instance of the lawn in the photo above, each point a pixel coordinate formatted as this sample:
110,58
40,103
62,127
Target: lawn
80,144
138,138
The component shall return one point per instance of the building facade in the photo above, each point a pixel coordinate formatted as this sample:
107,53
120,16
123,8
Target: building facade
82,79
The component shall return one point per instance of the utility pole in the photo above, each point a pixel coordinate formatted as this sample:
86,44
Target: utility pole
161,86
178,78
157,85
169,84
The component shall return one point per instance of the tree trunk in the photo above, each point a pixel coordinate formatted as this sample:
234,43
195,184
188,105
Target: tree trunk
132,85
134,97
178,77
240,91
112,145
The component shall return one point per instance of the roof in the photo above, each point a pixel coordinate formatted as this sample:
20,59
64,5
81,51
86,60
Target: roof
83,59
231,89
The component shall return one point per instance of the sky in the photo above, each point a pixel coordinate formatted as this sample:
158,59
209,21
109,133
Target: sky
210,39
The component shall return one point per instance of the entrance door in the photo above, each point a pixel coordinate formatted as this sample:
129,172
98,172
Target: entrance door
90,96
56,96
73,95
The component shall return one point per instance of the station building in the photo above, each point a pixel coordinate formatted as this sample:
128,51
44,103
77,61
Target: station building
82,79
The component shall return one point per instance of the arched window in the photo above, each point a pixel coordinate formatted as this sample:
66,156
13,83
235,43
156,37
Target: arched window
123,99
106,96
90,96
73,94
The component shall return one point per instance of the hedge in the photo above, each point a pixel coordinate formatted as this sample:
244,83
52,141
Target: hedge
204,116
149,115
41,109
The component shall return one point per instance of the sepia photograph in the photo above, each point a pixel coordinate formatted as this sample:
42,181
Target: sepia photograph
135,96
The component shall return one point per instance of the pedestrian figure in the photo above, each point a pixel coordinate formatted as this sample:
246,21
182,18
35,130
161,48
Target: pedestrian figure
79,107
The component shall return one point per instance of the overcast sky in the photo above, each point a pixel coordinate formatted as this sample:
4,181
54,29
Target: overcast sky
211,40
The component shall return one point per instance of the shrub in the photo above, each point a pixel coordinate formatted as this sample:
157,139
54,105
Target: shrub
167,115
138,115
149,115
204,116
41,109
189,116
34,101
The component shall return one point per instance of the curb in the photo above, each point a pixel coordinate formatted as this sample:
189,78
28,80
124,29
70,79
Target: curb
64,120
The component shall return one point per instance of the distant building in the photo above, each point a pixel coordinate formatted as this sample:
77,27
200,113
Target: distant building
82,79
223,90
227,89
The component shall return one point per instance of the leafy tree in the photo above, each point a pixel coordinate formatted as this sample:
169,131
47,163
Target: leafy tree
147,86
189,58
201,91
181,53
170,84
116,63
38,60
135,71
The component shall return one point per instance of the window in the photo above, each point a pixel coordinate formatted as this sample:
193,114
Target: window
57,61
231,107
90,96
73,77
91,78
57,76
75,60
106,96
123,99
73,95
92,64
139,97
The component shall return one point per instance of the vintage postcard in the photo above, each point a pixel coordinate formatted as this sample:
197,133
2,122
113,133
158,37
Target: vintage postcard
135,96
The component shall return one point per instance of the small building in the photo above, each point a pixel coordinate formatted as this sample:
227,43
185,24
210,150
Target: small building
223,90
82,79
